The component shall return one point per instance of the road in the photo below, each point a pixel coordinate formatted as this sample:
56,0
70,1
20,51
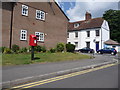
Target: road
106,77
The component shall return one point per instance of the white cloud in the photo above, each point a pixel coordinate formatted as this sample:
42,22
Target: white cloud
95,8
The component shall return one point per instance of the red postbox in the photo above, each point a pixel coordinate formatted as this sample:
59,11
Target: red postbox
33,40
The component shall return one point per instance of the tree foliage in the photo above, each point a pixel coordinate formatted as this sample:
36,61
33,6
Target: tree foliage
113,18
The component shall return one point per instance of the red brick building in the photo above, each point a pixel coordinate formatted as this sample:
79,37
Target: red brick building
21,19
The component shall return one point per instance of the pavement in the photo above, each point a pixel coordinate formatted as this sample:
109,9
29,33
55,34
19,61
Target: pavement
15,75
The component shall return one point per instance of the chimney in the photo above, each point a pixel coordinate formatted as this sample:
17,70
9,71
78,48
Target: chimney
88,16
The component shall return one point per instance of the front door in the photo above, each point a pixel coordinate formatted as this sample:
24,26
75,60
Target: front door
97,46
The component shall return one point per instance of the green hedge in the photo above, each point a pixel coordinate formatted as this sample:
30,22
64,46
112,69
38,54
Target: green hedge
70,47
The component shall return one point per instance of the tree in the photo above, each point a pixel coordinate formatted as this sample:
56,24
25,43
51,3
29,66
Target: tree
113,18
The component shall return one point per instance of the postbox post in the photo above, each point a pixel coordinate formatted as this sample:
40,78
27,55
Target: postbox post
32,43
32,53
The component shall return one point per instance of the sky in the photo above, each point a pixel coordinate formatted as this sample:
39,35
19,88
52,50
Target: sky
76,9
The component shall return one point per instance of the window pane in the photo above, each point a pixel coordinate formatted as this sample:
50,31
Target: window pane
97,32
76,44
88,33
88,44
76,34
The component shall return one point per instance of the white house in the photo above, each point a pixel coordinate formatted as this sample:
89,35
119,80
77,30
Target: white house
88,33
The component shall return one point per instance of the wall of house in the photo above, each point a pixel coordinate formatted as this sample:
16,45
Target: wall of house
6,20
82,38
105,32
54,27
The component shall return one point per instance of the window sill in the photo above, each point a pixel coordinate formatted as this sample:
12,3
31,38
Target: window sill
97,36
87,37
40,41
25,15
40,19
23,40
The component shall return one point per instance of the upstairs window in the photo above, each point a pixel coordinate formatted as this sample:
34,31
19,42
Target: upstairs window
40,15
24,10
67,35
23,35
97,33
40,36
88,33
76,34
76,25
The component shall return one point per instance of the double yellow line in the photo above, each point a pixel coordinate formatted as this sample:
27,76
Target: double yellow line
29,85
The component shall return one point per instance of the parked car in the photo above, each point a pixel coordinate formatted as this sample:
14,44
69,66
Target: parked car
107,50
86,50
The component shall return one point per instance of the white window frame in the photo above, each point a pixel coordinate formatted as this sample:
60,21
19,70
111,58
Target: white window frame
41,36
26,12
23,35
41,15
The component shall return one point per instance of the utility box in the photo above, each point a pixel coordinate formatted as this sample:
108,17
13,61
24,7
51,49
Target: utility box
33,40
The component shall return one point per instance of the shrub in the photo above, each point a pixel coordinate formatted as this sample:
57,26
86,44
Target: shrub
7,51
2,49
15,48
38,48
29,49
70,47
23,50
60,47
43,49
53,50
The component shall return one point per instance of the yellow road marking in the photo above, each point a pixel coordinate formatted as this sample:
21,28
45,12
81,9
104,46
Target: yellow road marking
60,77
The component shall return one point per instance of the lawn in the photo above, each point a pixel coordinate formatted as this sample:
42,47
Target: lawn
18,59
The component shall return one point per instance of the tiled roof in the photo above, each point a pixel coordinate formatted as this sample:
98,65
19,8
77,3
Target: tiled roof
86,24
111,42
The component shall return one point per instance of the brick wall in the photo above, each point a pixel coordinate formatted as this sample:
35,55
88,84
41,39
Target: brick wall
54,26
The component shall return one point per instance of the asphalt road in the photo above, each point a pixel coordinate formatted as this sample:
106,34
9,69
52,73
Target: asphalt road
103,78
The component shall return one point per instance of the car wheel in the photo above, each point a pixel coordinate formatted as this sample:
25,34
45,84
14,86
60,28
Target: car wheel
112,53
99,52
89,52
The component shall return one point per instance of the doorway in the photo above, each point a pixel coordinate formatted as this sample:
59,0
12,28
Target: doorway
97,46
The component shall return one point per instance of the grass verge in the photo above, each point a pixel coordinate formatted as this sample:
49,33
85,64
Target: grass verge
20,59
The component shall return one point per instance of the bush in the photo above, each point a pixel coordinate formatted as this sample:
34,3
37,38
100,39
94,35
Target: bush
7,51
53,50
60,47
38,48
15,48
70,47
43,49
29,49
2,49
23,50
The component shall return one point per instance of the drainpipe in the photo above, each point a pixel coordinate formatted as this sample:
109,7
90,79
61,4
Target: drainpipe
11,24
101,37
